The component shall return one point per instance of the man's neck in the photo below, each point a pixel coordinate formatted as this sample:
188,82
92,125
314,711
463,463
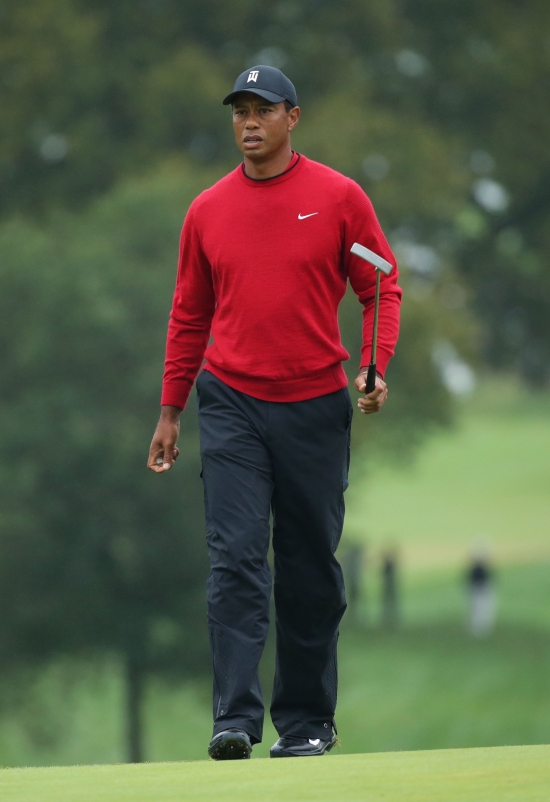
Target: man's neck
274,165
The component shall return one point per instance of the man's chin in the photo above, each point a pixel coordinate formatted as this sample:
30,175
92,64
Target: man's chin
256,154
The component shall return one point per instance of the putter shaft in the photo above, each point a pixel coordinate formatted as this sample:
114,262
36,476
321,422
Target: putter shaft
380,265
371,373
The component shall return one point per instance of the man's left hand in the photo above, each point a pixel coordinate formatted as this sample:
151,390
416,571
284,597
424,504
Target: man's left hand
374,401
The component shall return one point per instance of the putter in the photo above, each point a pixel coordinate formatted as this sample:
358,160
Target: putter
381,266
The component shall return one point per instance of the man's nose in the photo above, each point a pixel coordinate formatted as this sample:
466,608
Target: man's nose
251,121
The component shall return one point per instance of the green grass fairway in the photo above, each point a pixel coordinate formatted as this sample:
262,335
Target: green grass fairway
521,774
487,478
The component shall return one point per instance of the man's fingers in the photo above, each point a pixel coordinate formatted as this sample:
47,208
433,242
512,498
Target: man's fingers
361,385
366,410
373,402
162,458
168,457
154,463
376,392
170,453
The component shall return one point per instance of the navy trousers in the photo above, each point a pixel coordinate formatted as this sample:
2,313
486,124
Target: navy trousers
290,459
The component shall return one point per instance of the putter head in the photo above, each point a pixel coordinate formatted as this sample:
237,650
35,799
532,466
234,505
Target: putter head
372,258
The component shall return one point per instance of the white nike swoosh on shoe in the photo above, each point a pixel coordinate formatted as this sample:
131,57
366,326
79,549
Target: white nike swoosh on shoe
303,216
316,742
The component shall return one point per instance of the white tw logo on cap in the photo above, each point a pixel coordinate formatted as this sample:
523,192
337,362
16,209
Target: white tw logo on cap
253,76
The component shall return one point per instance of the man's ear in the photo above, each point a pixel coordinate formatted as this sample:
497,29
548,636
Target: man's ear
294,115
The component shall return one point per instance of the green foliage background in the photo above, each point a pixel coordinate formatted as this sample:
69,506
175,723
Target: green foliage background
111,123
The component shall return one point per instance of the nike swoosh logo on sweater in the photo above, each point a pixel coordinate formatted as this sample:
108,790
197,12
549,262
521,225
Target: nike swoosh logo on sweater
303,216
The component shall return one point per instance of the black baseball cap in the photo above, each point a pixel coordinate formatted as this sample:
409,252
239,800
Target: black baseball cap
268,82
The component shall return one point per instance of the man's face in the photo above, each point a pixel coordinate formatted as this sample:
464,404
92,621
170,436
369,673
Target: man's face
261,128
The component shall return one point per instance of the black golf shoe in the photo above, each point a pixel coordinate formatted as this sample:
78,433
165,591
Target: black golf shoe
301,747
230,745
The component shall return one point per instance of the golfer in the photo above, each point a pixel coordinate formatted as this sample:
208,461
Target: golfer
263,265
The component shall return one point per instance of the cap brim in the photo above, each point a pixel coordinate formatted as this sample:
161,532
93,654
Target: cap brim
271,96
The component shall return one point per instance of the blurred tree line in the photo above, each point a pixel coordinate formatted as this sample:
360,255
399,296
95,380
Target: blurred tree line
92,90
95,554
111,123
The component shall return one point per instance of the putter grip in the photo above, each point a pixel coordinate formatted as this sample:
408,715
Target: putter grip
371,379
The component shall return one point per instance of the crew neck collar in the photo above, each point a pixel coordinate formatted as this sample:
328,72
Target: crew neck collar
292,168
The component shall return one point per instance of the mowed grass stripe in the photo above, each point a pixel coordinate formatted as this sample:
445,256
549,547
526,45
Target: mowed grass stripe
505,774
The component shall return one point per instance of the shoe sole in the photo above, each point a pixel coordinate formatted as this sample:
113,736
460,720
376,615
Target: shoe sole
231,749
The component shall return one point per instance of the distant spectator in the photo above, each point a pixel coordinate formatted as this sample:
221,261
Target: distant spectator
482,597
353,565
390,590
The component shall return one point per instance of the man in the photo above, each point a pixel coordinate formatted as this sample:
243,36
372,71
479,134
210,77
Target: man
264,262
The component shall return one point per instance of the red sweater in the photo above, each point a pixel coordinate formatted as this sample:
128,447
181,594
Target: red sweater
263,266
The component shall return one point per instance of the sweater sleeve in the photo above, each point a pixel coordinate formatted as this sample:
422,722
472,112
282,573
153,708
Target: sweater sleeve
190,319
362,226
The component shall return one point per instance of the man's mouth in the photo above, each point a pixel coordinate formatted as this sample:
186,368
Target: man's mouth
251,141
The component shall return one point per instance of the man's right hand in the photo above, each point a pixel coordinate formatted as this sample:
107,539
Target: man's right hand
164,451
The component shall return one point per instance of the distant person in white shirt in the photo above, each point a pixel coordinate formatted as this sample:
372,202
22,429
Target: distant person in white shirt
482,596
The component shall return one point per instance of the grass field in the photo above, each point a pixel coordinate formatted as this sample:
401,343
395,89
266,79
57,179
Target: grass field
486,479
426,686
510,774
